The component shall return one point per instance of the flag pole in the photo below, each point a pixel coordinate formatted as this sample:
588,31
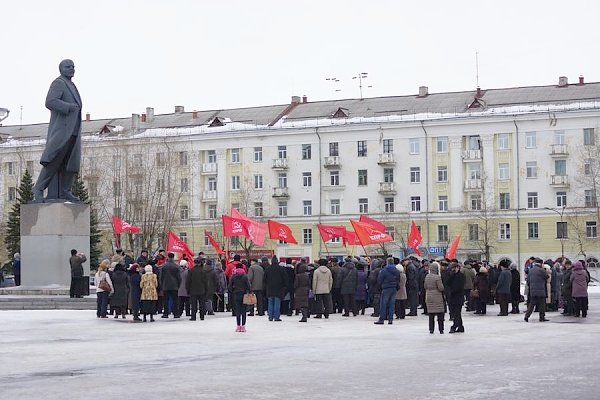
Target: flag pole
325,244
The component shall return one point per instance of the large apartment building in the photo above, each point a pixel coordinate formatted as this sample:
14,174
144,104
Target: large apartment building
513,171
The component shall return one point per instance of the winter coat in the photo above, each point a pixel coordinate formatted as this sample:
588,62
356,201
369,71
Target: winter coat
348,278
121,289
231,267
136,290
275,281
434,289
361,285
301,287
412,279
239,282
579,280
149,284
183,273
196,281
536,279
374,287
256,276
481,284
76,262
469,273
102,275
389,277
401,293
504,282
336,271
567,285
169,276
290,277
515,285
322,280
221,286
211,280
456,291
548,271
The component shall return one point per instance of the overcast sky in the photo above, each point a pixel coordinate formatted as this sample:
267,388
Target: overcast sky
241,53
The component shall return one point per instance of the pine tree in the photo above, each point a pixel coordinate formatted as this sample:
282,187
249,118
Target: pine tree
80,191
13,226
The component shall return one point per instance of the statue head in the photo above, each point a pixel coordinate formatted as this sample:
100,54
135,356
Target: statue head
67,68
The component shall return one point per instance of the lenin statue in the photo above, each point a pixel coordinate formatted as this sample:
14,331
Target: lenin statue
62,156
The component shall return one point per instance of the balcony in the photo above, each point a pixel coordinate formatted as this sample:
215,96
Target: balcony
209,195
471,155
331,161
386,159
473,184
281,192
280,163
209,169
559,181
559,150
387,188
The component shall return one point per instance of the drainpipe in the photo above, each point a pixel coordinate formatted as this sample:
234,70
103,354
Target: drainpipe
320,187
518,200
426,185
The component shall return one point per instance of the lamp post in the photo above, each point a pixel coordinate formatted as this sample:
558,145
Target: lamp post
561,214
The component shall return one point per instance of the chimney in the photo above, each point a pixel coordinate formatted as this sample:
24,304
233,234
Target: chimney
563,81
478,94
581,80
135,122
423,91
149,114
304,99
88,116
143,117
179,109
194,114
295,99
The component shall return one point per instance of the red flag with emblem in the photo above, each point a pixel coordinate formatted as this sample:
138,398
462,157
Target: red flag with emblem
175,244
214,243
369,235
234,226
329,232
279,231
374,223
256,230
120,226
414,238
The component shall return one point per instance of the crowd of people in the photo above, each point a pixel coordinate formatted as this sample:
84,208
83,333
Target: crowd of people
394,288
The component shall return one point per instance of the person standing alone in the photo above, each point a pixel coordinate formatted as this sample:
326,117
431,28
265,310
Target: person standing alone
76,261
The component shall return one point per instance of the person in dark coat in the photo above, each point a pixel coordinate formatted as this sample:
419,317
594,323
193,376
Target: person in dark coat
503,284
482,288
239,285
287,304
220,288
374,288
566,289
16,267
76,261
412,287
170,279
301,289
275,284
196,284
349,278
120,296
536,280
515,288
456,299
211,283
361,288
388,279
493,273
135,291
256,276
336,297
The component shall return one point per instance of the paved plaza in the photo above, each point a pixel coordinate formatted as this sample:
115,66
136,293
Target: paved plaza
69,354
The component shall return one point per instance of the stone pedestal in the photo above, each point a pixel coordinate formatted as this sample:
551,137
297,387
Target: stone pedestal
48,233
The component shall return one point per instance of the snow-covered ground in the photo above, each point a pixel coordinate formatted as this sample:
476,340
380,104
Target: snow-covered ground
73,355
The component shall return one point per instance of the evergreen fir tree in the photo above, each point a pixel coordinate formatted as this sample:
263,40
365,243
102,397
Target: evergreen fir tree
80,191
13,226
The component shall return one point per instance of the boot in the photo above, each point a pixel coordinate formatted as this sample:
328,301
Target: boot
243,328
145,318
304,313
151,318
441,326
238,328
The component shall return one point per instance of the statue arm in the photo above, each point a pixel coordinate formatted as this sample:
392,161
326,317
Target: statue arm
54,100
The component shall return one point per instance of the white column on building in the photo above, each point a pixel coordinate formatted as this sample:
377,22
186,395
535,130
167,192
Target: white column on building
222,187
456,173
488,161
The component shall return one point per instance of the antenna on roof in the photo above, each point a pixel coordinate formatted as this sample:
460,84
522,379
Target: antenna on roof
477,68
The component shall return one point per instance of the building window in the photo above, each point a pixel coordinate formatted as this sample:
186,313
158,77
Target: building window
388,204
531,167
184,212
183,158
258,209
442,144
474,142
258,153
306,179
206,239
587,167
561,199
117,189
212,183
504,201
388,175
504,231
363,206
307,207
443,203
362,148
29,167
93,188
11,167
475,202
235,182
530,140
161,160
590,198
442,233
184,185
415,174
442,173
561,230
474,171
589,137
560,167
335,207
473,232
258,181
532,200
533,230
334,178
559,137
235,156
282,151
414,146
334,149
503,143
211,156
591,229
12,193
212,211
282,180
362,177
306,151
415,203
388,146
307,236
503,171
282,208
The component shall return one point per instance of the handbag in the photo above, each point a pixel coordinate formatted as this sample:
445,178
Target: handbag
103,285
311,294
249,299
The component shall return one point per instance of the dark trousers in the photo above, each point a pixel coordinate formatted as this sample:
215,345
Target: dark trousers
412,301
481,306
195,301
360,306
240,308
515,305
324,305
400,308
17,279
184,305
540,302
260,303
503,301
581,306
388,301
457,316
336,297
440,320
101,303
349,303
569,306
376,304
171,302
74,290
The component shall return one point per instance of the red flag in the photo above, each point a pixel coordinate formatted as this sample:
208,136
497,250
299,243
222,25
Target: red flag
350,238
214,243
374,223
281,232
256,230
414,238
329,232
369,235
175,244
120,226
451,252
234,226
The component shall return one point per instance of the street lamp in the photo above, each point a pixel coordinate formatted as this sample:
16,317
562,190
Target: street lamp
561,213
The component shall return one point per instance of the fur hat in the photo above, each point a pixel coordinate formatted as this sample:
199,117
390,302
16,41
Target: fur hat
148,269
